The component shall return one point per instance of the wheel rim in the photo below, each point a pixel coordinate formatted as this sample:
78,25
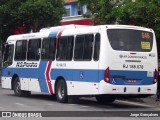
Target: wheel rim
61,92
18,87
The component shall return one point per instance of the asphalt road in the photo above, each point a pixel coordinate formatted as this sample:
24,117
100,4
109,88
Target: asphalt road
45,102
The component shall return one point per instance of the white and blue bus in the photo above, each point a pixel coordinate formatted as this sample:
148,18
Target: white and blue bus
102,61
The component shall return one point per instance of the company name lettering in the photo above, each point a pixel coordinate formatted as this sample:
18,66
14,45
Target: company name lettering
26,64
136,57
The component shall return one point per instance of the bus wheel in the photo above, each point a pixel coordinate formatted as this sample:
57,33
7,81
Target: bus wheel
61,92
17,89
105,99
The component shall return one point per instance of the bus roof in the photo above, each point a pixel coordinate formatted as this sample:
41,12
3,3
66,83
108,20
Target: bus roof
64,27
128,27
68,29
46,34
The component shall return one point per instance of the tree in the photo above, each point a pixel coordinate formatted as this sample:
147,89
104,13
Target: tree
31,14
141,13
99,10
40,13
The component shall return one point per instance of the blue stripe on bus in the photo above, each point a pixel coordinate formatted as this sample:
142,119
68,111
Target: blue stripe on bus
53,34
88,75
81,75
118,77
37,73
41,76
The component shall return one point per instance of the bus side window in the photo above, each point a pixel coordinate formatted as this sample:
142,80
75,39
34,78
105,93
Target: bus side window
52,48
20,51
78,51
34,49
70,48
83,47
8,56
45,49
88,47
65,48
96,47
48,49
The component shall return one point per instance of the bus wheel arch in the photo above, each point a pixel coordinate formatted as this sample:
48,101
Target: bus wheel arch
16,86
61,90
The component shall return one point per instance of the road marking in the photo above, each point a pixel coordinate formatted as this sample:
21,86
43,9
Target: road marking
134,103
81,105
71,104
20,104
84,106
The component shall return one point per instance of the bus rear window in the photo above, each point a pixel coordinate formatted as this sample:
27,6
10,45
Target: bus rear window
130,40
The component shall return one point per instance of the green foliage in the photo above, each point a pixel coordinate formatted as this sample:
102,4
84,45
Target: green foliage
35,13
40,12
7,9
99,10
141,13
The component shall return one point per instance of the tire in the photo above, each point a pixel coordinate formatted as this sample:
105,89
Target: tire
17,89
106,99
61,92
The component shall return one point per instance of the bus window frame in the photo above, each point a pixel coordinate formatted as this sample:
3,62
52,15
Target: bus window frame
39,49
57,48
84,35
13,54
94,46
22,48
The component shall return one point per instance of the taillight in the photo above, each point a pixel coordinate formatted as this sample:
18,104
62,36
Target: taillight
107,75
155,76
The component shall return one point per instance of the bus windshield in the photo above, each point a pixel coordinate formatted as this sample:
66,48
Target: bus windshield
130,40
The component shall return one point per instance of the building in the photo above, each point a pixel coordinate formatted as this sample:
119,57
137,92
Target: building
74,14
